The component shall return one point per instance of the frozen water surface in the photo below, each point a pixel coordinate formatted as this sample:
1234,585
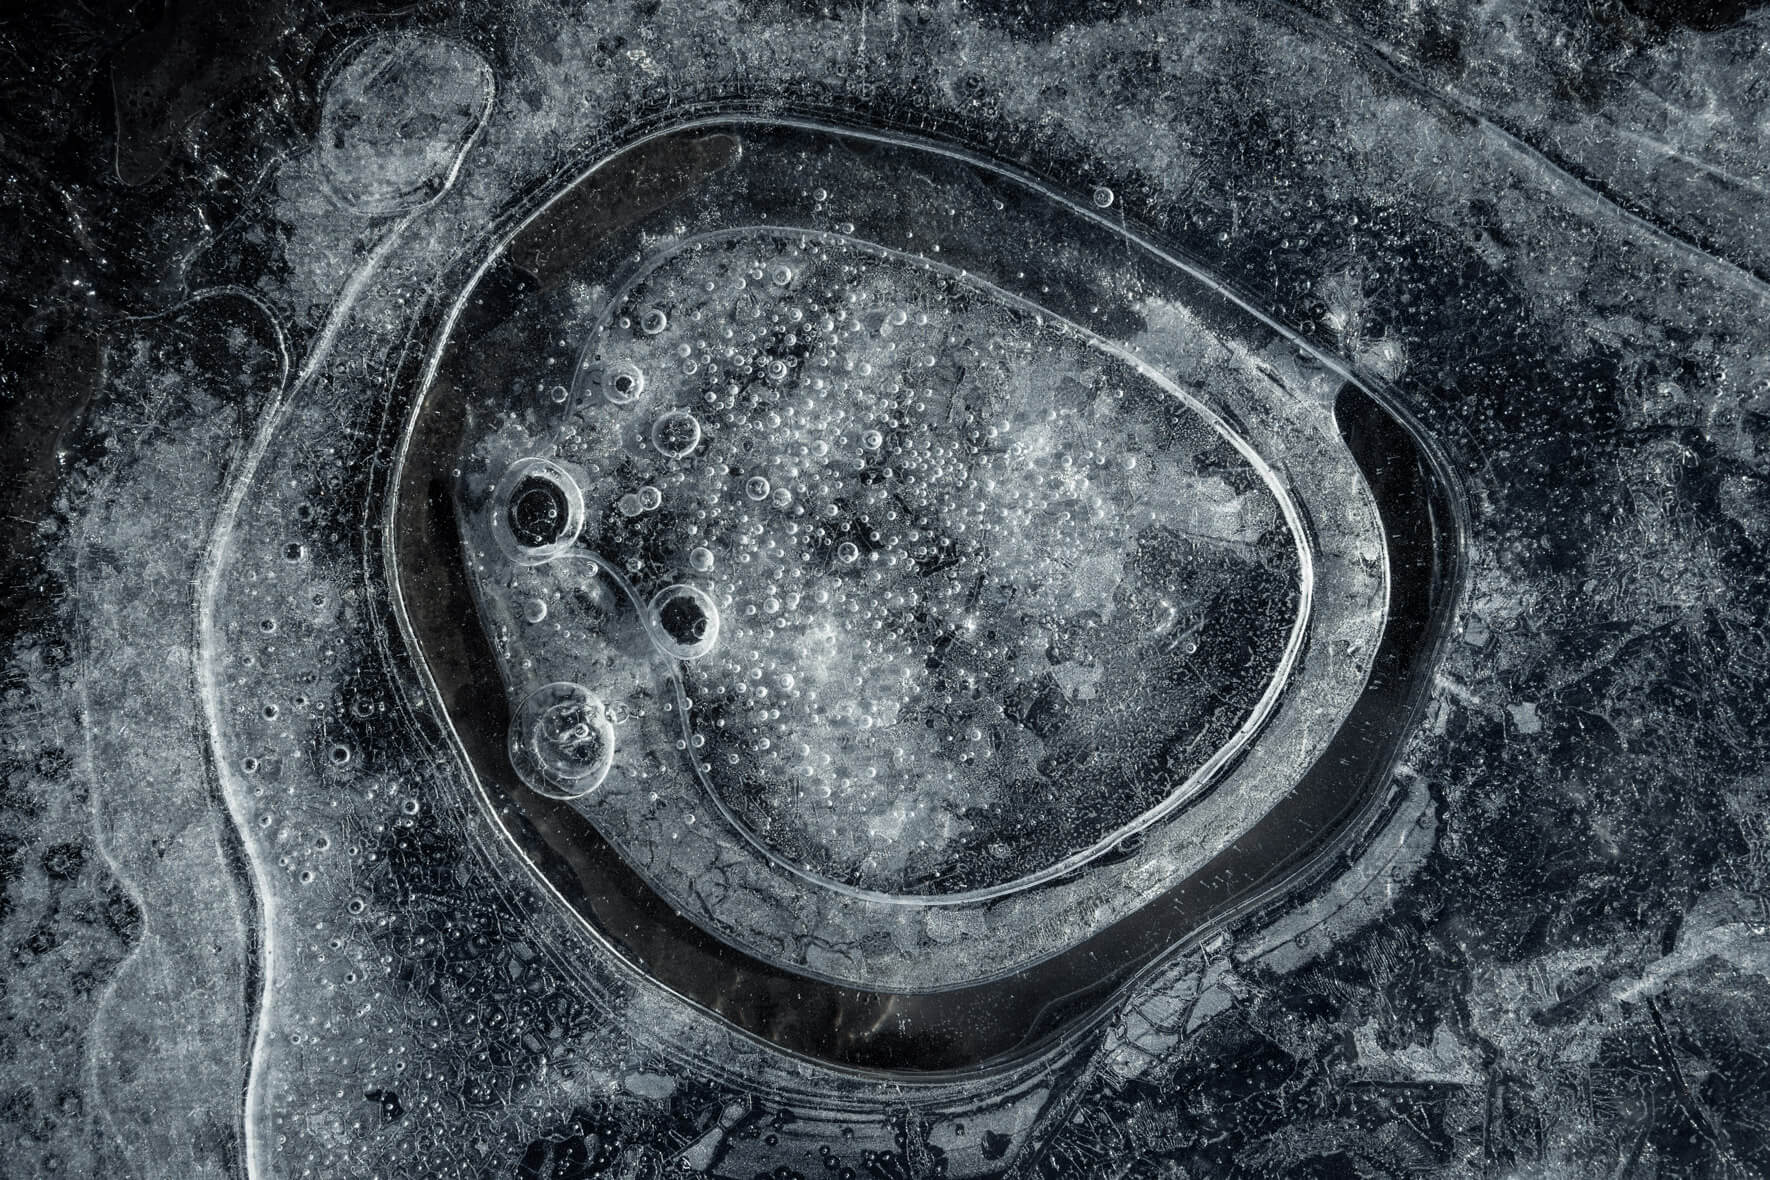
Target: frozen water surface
895,592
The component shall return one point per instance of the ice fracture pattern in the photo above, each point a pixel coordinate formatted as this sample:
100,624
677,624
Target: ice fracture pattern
1100,591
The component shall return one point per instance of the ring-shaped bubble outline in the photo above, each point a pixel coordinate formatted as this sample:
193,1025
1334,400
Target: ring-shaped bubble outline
674,413
667,643
603,377
1196,783
499,507
522,727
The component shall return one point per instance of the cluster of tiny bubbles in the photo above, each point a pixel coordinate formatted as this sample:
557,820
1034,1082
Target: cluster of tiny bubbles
903,490
805,395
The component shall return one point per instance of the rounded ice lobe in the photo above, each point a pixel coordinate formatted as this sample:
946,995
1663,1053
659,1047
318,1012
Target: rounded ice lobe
986,592
398,117
949,608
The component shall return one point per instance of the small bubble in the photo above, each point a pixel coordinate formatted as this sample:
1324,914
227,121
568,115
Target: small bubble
630,505
534,610
1103,197
756,487
340,754
650,498
700,558
676,434
654,321
409,806
623,383
558,395
684,621
872,440
848,553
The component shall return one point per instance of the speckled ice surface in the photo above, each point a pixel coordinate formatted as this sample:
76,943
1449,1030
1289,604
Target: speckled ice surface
1032,594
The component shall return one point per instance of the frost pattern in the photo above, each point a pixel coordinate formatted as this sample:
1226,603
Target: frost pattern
1536,229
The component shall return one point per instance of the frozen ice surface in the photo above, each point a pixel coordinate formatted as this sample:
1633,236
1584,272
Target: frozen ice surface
966,566
908,591
917,612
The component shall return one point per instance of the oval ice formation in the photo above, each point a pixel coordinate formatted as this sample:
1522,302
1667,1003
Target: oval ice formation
399,115
941,625
980,593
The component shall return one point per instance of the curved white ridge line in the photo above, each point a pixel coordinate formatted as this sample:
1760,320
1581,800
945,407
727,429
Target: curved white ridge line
95,803
211,644
1360,44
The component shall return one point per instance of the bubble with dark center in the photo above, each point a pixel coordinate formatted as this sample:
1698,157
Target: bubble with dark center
538,512
686,620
